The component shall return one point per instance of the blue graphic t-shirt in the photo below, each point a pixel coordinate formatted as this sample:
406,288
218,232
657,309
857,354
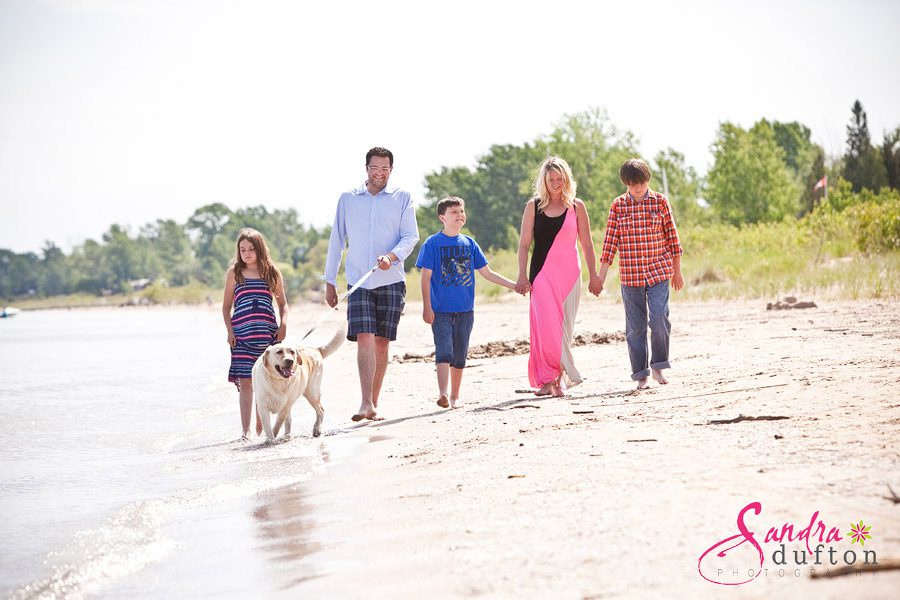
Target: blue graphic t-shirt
453,262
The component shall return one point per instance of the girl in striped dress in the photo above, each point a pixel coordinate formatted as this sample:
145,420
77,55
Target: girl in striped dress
555,222
250,285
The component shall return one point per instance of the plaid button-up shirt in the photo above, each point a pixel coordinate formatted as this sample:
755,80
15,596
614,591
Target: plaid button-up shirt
644,234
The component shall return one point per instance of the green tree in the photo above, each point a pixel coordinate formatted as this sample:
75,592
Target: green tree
497,189
91,266
56,275
124,256
170,243
683,186
863,166
495,193
750,181
19,274
890,152
214,250
805,160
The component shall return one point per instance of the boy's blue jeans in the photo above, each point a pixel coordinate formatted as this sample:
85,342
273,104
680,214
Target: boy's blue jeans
451,337
637,300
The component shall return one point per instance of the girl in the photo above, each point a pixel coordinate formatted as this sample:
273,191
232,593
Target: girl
250,284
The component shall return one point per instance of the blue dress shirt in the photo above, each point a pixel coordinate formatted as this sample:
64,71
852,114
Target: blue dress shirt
374,226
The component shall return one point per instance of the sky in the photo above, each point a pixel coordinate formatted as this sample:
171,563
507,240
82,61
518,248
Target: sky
129,111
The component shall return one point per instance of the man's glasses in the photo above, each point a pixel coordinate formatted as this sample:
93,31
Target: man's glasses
374,169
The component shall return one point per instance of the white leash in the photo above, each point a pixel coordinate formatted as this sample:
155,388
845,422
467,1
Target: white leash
355,287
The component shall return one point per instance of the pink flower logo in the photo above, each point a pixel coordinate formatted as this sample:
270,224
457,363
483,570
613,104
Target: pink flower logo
860,533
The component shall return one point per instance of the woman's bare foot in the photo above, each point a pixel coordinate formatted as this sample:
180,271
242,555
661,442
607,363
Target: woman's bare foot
643,384
442,401
658,377
559,389
456,402
545,390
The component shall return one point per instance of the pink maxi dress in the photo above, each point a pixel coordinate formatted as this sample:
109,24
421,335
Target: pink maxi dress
555,276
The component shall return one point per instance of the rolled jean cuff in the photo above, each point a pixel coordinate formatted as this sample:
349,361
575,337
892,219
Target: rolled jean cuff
640,375
660,365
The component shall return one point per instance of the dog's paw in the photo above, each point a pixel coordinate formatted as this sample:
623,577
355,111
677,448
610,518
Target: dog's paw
316,432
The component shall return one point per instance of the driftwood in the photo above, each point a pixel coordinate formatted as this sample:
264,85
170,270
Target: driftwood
515,347
740,418
790,302
890,564
893,497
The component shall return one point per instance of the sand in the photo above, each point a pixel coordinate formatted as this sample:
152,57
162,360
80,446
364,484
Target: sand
610,492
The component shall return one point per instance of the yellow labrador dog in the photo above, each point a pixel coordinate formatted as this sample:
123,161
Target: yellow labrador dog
282,374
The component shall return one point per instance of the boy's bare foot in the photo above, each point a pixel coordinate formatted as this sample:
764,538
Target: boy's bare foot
442,401
366,411
455,402
643,384
658,377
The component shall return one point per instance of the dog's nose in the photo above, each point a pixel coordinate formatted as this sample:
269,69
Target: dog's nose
288,362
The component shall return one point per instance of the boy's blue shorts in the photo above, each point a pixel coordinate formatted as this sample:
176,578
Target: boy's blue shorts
451,337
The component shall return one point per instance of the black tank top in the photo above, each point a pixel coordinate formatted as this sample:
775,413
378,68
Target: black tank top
545,230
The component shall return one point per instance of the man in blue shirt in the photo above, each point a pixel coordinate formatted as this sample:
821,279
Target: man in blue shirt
380,224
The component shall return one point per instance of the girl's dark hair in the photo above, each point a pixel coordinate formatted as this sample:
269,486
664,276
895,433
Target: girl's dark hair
267,270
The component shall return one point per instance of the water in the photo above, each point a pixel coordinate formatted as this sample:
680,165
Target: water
120,463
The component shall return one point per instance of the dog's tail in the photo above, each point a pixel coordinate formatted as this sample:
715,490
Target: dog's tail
336,341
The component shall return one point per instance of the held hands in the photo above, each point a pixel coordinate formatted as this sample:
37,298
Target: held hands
427,315
330,295
523,286
595,285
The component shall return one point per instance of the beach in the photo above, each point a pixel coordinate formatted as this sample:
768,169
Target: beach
606,493
613,493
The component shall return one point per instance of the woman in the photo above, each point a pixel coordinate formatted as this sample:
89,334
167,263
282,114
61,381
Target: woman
553,220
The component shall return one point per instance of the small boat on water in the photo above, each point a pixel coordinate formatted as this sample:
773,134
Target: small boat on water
9,311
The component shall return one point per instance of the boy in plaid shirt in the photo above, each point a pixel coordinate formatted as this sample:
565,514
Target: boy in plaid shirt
641,228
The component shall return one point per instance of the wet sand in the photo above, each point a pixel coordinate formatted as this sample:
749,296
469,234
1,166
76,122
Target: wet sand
610,492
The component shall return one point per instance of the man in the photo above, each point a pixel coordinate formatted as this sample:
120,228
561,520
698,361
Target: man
380,223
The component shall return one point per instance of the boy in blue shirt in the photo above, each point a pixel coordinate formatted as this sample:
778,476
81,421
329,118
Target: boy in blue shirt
448,260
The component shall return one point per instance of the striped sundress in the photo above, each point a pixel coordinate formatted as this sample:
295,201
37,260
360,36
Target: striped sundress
254,325
555,276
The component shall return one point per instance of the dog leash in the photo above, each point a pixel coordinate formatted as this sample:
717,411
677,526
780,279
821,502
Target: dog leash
355,287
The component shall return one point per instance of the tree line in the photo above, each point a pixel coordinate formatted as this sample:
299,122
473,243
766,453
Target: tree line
765,173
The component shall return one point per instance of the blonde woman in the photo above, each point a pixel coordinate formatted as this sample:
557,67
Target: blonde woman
554,222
